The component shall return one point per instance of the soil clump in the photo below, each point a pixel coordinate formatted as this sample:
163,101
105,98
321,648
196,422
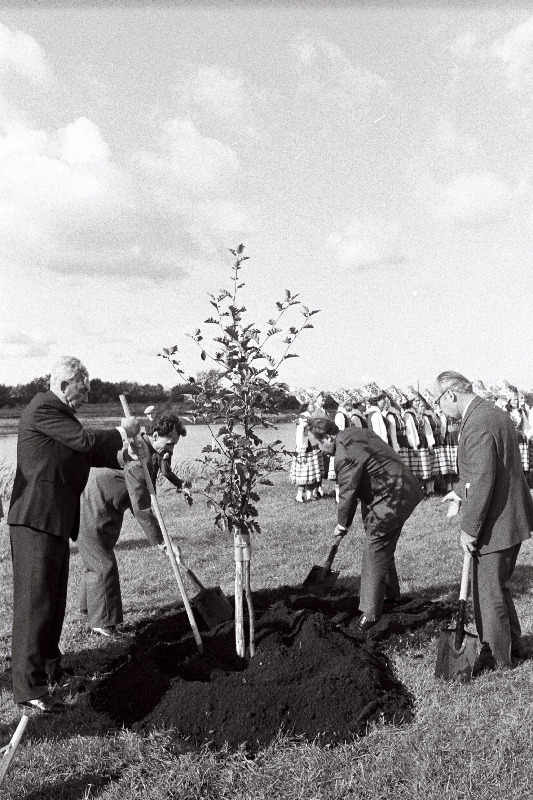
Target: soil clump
313,676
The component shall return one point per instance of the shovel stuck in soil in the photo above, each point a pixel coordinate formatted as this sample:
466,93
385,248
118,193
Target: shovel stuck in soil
212,604
321,580
457,647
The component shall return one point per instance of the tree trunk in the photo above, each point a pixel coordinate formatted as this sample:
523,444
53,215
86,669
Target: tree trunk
242,583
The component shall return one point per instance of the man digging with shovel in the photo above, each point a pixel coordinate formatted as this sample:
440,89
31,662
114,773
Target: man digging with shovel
368,470
108,495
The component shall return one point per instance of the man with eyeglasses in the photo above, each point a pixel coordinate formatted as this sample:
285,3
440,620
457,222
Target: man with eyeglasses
497,513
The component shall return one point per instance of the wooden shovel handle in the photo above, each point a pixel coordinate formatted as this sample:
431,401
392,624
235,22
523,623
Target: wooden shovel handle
463,594
331,556
465,577
9,750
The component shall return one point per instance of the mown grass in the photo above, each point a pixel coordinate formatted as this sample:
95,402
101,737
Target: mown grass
466,740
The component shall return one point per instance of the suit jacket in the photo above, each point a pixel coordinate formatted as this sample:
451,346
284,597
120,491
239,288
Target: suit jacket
369,470
111,492
497,504
54,455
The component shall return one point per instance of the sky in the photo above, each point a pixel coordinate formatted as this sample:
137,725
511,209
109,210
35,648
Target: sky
375,158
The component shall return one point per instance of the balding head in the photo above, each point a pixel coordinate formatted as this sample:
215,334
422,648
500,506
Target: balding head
452,393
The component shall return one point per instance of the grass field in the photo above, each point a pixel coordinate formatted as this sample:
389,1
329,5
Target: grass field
466,741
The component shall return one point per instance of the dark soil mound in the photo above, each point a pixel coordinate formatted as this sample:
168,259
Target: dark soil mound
312,675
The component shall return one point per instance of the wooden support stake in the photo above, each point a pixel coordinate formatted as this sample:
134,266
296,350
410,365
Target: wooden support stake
240,646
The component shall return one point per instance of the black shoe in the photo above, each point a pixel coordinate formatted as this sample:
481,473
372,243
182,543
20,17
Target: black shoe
364,624
110,632
61,676
484,664
46,704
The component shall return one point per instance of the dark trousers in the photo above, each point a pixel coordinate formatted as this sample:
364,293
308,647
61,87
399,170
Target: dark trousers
379,579
100,594
40,577
494,611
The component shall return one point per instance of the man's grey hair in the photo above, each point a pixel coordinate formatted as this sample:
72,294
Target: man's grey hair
66,368
455,381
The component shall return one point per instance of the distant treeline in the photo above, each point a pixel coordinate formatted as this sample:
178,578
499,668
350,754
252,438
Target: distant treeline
107,392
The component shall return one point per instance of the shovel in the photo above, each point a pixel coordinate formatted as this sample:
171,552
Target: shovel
321,580
457,647
212,604
9,749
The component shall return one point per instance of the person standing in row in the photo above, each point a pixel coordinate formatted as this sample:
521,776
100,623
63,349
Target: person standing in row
307,467
497,513
54,455
376,412
342,420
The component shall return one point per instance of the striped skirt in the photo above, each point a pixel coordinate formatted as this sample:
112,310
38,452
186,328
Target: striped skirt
524,454
420,463
307,469
445,460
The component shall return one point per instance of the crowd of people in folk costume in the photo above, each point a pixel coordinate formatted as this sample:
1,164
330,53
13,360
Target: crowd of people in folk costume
411,422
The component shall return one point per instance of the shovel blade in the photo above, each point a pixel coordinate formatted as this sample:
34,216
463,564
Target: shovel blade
213,606
318,583
453,663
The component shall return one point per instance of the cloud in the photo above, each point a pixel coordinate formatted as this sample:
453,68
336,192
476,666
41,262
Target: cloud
367,245
17,344
213,91
198,163
516,52
67,205
465,46
447,138
474,197
20,53
324,66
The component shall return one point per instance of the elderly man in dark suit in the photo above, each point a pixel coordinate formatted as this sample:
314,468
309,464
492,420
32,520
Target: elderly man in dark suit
369,470
497,513
54,455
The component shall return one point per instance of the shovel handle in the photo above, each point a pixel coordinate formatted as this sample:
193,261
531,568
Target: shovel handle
192,577
9,750
467,561
463,594
331,556
166,537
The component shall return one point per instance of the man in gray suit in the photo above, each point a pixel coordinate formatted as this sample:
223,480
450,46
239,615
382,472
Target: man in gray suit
368,469
497,513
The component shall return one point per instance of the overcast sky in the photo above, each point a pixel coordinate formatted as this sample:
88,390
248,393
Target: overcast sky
375,158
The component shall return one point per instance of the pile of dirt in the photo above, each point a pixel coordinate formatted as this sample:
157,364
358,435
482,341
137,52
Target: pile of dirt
312,675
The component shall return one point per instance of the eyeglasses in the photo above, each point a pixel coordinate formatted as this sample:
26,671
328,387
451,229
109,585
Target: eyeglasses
437,401
453,387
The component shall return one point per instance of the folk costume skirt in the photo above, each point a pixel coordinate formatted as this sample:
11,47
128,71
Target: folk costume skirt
307,468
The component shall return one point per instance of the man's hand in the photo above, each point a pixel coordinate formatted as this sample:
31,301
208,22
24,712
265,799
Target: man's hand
131,426
137,448
468,543
340,530
455,503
